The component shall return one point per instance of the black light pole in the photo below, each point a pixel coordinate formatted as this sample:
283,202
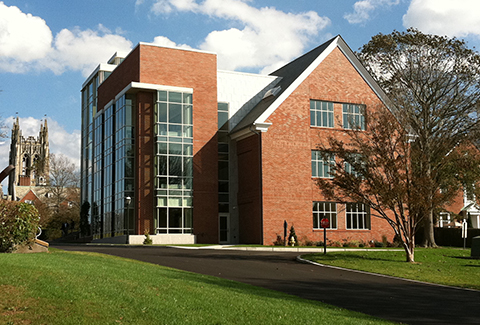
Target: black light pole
128,200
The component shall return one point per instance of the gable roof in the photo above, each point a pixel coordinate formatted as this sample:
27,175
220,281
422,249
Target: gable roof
292,75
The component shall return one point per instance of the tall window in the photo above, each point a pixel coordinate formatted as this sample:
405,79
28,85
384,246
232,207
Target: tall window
174,162
223,159
321,113
353,116
358,216
324,210
321,165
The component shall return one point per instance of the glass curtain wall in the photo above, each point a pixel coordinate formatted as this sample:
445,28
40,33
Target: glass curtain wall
174,162
89,107
124,163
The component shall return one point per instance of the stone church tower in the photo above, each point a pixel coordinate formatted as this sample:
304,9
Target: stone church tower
30,157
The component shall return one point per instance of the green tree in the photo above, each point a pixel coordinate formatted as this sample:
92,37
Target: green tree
434,89
375,168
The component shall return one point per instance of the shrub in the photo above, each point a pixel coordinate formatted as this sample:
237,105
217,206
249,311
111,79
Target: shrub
309,242
18,224
148,240
292,235
278,241
378,244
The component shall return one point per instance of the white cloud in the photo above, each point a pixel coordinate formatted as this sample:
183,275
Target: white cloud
362,10
165,41
266,36
83,50
26,43
444,17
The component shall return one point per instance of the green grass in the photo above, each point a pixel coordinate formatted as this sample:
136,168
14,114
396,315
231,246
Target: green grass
449,266
86,288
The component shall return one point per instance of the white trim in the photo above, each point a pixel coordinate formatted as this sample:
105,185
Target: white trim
262,127
101,67
154,87
265,115
174,48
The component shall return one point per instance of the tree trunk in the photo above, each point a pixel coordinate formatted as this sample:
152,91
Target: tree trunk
409,247
428,233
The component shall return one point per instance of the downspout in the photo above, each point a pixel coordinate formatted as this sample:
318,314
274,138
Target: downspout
260,183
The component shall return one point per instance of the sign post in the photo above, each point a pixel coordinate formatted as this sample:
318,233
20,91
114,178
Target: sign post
325,223
464,232
285,226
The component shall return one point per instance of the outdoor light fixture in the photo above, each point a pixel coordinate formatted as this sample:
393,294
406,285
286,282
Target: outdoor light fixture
128,200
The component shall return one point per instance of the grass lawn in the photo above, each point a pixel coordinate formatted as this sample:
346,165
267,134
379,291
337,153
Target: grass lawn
86,288
449,266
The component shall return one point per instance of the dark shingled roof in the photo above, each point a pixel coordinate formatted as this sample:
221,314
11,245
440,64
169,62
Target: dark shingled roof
288,73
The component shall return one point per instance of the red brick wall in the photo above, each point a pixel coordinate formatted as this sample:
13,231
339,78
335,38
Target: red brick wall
121,77
249,204
197,70
288,188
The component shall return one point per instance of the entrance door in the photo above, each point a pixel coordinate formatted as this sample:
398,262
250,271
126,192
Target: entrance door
224,228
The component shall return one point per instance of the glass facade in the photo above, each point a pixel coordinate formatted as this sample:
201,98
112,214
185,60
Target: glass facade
107,161
174,162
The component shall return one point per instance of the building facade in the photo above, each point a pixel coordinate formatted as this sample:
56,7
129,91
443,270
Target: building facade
173,147
30,157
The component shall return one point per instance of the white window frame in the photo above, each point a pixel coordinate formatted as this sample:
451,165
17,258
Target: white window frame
320,167
322,210
322,112
357,216
353,116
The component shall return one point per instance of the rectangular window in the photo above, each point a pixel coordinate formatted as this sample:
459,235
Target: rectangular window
321,114
326,210
349,168
321,165
353,116
358,216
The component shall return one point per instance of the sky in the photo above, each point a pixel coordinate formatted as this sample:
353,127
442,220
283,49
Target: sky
49,47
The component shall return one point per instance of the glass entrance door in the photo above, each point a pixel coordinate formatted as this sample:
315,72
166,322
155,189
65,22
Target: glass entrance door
224,228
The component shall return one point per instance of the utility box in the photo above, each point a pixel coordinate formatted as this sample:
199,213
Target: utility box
476,247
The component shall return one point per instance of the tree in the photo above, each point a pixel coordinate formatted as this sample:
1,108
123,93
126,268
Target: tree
433,83
63,199
375,168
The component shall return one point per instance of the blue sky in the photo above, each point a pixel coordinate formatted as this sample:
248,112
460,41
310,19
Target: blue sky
48,47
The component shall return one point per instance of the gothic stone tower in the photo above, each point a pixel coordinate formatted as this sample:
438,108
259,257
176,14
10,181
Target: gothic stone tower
30,157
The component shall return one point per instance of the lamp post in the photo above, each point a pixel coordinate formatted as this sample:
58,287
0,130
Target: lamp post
128,200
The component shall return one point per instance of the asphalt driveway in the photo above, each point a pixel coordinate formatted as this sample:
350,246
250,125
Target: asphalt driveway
393,299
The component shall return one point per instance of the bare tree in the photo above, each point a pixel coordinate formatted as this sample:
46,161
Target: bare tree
63,193
433,83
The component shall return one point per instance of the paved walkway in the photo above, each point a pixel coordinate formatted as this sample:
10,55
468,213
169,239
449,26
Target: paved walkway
385,297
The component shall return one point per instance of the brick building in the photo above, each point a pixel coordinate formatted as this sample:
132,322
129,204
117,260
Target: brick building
173,147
